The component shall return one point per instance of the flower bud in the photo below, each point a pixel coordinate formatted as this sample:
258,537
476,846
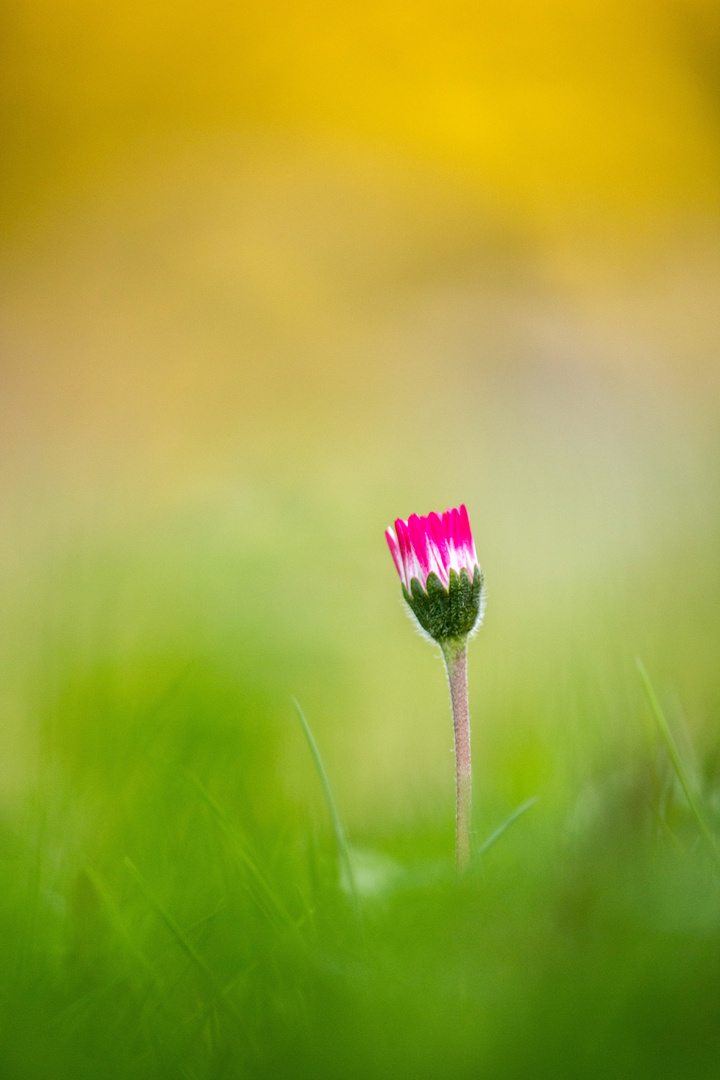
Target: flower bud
441,578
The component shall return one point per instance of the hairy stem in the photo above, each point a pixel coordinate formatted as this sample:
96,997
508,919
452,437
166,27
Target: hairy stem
455,655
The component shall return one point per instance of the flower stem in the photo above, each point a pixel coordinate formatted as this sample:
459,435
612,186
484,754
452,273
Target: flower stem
455,656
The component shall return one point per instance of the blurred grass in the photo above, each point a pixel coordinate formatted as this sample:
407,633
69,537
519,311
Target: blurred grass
151,930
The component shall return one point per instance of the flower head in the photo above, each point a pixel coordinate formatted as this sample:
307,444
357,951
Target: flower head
441,578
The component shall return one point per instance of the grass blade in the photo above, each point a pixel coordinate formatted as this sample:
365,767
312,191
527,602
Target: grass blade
183,942
340,839
677,762
266,898
487,844
118,925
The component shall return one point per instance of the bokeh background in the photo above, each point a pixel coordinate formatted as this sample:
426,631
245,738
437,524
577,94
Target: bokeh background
274,274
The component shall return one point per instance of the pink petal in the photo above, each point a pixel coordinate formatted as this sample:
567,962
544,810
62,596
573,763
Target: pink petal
435,559
418,539
454,530
411,560
406,555
401,529
464,526
468,542
438,533
394,550
440,545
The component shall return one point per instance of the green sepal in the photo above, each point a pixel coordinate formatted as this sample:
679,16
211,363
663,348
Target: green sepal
447,614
